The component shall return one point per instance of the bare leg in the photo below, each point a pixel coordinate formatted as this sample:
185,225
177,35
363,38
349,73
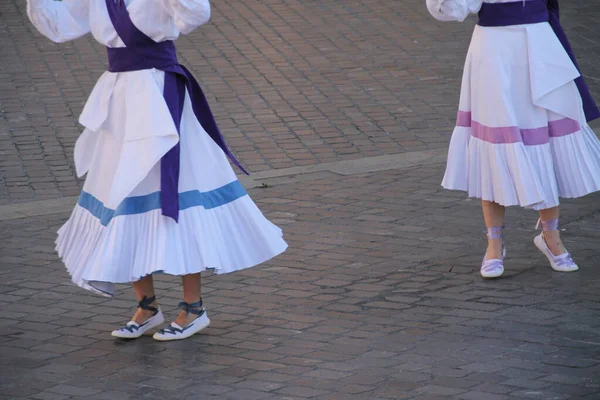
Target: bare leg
144,287
191,294
552,238
493,214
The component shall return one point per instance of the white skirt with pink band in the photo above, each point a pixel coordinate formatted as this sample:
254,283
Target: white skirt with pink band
521,137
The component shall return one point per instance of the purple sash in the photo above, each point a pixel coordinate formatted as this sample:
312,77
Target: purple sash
532,12
144,53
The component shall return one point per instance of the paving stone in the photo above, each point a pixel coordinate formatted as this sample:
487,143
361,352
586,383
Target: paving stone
371,301
248,394
73,390
259,385
301,391
473,395
440,390
49,396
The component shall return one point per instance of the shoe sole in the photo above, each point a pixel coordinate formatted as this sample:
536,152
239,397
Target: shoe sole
492,276
539,242
185,335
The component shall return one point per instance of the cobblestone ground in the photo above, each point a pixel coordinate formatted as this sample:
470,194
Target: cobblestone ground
291,82
379,295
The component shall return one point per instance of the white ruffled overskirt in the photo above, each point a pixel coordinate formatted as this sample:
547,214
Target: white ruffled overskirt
117,233
521,136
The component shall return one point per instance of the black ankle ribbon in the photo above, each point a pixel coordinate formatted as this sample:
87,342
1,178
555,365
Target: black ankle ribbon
144,304
193,308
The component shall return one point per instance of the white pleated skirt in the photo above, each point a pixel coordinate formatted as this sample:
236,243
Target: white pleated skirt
117,233
521,137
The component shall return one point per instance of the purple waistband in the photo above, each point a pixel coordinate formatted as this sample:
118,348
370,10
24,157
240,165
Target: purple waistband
513,13
155,55
533,12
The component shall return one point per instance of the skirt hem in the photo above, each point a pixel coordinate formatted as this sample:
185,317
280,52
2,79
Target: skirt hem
229,238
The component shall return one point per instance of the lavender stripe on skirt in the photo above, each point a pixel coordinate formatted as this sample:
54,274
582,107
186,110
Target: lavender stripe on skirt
514,134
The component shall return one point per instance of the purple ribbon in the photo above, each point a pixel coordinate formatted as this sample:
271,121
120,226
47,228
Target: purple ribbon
141,52
532,12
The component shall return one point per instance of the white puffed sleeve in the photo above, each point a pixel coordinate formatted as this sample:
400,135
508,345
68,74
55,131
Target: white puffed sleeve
188,14
453,10
60,20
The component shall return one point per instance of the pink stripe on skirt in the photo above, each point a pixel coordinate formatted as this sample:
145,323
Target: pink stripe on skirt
514,134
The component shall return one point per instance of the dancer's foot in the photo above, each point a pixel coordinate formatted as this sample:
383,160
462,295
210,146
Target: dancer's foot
191,321
147,317
554,242
550,244
492,265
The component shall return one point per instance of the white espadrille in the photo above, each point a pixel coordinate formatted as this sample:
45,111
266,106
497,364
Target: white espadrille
176,332
133,330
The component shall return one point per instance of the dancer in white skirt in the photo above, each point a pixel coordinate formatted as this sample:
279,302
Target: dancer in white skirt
160,195
522,135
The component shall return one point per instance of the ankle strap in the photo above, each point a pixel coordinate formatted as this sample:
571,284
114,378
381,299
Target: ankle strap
550,225
495,232
144,304
193,308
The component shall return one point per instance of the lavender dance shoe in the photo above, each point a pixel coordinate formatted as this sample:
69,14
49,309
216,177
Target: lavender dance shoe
493,268
562,262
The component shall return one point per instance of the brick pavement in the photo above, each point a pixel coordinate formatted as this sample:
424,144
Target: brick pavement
289,86
378,297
